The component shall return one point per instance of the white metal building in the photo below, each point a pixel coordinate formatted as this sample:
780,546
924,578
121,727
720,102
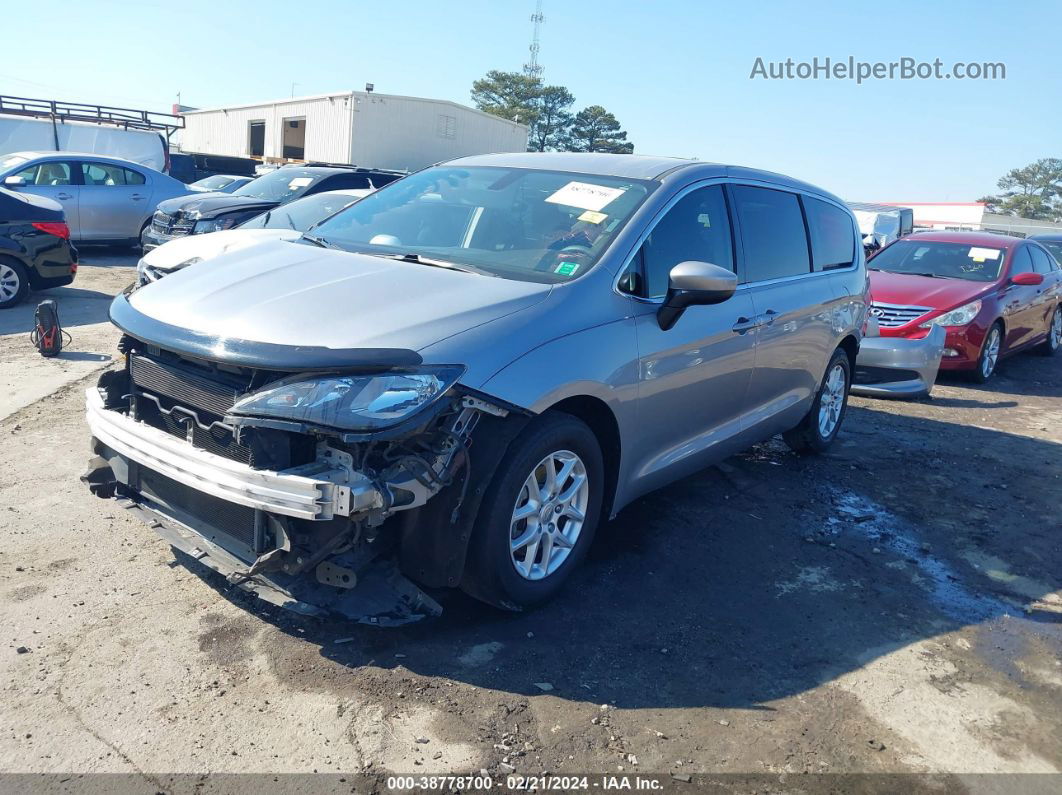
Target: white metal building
356,127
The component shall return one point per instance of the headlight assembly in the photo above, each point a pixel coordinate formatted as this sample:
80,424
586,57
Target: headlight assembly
956,317
214,225
351,402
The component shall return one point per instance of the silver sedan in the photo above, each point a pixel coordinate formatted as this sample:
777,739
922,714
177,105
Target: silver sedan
105,199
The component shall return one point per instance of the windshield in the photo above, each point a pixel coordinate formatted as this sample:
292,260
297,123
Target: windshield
947,260
302,213
217,182
1054,246
281,185
544,226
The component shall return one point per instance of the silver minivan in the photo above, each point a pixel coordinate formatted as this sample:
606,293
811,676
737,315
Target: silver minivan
455,380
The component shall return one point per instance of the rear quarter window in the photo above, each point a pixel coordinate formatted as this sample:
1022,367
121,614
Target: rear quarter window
832,235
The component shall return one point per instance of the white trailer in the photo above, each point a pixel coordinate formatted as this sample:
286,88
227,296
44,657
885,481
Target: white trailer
357,127
44,125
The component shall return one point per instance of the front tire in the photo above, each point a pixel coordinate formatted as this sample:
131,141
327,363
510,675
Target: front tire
989,357
1053,343
821,424
539,514
14,282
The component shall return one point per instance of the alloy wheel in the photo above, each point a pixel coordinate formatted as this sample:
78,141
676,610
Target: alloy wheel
548,515
991,354
10,283
1056,329
832,401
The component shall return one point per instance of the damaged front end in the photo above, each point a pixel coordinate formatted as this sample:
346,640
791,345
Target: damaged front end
317,490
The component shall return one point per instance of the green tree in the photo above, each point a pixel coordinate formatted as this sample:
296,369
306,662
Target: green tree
511,95
552,119
1034,191
594,129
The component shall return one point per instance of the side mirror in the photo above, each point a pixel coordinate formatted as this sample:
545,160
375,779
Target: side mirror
1028,279
14,182
693,283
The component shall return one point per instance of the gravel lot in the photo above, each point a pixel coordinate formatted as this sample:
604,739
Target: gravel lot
894,606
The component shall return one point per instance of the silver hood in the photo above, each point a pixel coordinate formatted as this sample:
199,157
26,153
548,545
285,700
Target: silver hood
294,294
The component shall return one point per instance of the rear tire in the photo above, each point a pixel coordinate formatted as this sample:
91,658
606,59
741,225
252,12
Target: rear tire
554,518
989,356
1053,343
14,282
822,423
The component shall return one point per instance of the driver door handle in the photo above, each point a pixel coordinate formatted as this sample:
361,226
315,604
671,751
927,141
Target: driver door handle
138,198
745,324
63,196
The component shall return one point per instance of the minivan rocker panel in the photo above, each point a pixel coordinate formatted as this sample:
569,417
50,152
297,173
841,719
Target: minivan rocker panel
578,329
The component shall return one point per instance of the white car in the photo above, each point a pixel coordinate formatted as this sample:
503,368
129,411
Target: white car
286,222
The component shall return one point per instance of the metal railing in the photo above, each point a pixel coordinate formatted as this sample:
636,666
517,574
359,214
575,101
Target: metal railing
57,111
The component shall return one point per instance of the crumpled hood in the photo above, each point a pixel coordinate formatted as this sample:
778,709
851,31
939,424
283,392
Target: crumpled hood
297,294
169,256
908,290
208,205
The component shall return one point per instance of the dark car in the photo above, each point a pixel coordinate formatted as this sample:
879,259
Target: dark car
214,212
35,250
994,295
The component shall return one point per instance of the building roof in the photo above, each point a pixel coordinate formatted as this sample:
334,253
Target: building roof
358,95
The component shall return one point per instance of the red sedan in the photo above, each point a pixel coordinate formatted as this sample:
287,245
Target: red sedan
994,295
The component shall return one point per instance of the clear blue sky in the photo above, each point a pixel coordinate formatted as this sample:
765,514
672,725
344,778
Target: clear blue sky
675,73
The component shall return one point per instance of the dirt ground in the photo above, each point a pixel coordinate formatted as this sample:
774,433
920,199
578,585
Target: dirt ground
893,606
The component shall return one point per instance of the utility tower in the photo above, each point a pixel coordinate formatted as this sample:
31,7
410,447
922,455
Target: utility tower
532,68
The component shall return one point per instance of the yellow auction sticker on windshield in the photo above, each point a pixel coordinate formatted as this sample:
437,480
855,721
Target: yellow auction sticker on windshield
567,268
592,217
585,196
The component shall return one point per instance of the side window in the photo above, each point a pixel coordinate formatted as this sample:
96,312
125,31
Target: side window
1022,262
696,228
344,182
772,233
97,174
832,235
1041,261
46,174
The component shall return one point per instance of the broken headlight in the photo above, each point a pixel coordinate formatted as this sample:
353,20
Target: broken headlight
351,402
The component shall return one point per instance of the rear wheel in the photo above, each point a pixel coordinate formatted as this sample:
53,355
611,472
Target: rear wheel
821,424
539,514
990,348
14,282
1053,343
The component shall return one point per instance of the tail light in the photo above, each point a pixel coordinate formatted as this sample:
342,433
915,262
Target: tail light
56,228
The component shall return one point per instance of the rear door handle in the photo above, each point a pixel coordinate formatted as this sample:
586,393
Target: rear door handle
137,197
63,196
767,318
744,324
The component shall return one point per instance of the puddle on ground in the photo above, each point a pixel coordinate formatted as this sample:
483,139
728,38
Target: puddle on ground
856,514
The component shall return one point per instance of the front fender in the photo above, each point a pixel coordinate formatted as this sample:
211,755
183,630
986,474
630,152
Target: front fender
600,362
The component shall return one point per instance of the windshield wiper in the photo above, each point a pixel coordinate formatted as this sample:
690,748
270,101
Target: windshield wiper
929,275
435,263
317,241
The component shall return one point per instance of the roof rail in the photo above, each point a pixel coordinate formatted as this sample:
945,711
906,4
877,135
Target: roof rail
128,118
